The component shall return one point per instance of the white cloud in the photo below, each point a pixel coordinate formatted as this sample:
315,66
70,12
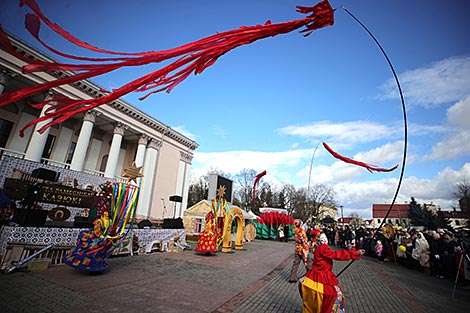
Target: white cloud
425,130
358,196
455,143
328,175
444,81
233,162
355,195
458,115
341,171
392,151
451,147
349,132
439,188
281,164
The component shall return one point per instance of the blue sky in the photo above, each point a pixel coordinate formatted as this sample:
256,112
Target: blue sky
268,105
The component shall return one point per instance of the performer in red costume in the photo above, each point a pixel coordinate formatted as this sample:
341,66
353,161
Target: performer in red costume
319,287
207,240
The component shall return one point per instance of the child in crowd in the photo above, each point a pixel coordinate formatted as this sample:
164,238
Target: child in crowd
379,250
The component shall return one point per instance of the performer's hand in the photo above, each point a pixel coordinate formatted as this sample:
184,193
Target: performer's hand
361,251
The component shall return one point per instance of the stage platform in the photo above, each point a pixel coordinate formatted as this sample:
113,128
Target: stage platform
17,243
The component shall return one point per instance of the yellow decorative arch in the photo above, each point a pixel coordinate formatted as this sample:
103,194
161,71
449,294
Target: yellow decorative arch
233,214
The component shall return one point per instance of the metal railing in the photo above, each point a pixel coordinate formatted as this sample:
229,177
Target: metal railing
11,153
55,163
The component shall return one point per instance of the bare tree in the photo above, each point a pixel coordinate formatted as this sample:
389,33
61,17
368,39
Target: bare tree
462,189
198,190
244,189
214,170
320,200
289,194
462,193
300,204
356,220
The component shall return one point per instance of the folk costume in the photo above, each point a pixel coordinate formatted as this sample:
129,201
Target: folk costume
300,251
94,246
319,287
207,240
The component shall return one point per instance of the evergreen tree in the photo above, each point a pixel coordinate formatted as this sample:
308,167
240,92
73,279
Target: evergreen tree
443,222
421,216
417,214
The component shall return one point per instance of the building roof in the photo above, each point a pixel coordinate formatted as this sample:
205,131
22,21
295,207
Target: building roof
398,210
93,90
345,220
453,214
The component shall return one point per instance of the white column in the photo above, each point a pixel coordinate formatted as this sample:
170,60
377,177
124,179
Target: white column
187,177
83,141
113,156
38,141
182,184
146,188
140,155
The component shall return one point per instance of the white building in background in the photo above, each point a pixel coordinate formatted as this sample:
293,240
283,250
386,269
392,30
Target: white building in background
268,209
101,142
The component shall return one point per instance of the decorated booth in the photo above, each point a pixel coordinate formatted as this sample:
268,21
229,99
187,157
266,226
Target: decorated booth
219,224
62,207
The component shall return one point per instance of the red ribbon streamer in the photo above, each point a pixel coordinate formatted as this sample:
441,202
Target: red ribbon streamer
193,57
255,184
369,167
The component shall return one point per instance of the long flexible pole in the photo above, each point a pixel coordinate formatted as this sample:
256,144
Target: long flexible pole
405,144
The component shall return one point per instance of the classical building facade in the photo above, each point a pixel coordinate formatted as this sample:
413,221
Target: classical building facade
101,142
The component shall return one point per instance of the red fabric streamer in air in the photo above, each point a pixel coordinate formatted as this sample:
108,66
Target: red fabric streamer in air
193,57
255,184
369,167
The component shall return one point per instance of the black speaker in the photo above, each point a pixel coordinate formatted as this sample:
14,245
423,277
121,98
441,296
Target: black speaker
176,198
144,223
43,173
29,218
172,223
83,222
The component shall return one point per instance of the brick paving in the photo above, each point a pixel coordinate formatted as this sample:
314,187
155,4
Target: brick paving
252,280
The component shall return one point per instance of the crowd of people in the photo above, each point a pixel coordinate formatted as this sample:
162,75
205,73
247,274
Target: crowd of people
440,253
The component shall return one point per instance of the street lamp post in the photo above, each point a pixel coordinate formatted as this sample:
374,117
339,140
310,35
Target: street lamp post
342,216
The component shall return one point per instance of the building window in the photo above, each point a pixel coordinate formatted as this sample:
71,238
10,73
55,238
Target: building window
198,225
104,161
46,153
5,129
378,221
397,221
71,152
457,222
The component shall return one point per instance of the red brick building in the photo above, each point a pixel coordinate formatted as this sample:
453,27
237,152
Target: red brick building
399,215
